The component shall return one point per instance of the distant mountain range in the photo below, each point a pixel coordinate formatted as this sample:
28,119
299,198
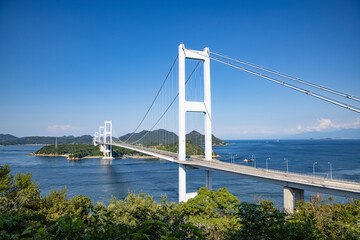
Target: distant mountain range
162,136
7,139
158,137
340,134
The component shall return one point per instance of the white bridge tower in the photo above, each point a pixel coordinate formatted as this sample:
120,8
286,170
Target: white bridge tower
96,138
190,106
107,141
101,139
104,139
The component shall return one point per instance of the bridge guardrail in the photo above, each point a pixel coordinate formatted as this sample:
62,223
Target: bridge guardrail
279,171
220,163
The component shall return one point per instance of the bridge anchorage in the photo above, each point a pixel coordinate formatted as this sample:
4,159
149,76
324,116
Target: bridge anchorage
294,184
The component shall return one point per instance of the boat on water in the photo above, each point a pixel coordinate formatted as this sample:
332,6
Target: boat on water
248,160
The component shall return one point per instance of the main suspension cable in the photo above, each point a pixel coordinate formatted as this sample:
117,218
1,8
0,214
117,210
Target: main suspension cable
167,109
291,78
341,104
162,85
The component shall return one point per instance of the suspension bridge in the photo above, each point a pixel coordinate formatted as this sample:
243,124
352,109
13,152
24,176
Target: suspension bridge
180,95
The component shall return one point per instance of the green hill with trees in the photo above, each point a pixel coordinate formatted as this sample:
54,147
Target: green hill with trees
7,137
191,148
77,151
82,150
199,139
26,214
164,137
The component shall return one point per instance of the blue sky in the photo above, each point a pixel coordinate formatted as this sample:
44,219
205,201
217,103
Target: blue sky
62,61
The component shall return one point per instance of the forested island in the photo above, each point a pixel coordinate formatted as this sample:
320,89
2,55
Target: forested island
26,214
78,151
81,147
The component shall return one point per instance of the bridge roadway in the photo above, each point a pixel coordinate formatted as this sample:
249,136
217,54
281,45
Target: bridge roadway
288,180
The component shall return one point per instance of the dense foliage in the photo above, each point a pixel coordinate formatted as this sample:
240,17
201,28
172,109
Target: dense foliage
85,150
191,148
25,214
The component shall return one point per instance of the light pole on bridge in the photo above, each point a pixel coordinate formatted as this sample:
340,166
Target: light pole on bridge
287,164
314,168
267,162
330,169
232,158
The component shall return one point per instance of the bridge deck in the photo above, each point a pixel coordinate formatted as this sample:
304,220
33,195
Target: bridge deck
293,180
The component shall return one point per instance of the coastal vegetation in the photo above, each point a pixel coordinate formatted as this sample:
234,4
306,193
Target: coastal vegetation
191,148
26,214
78,151
75,151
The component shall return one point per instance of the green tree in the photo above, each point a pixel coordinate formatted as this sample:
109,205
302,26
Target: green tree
260,221
213,212
329,220
19,192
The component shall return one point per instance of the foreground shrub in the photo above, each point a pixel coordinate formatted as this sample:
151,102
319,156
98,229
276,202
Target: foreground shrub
24,214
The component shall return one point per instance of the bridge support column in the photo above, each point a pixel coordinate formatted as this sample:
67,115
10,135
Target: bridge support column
108,141
182,183
208,179
191,106
291,196
96,138
101,139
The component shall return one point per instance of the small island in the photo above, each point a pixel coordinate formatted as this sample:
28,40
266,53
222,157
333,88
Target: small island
75,148
80,151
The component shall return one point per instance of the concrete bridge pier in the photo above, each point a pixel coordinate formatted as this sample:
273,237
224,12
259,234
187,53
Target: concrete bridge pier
208,179
291,196
183,195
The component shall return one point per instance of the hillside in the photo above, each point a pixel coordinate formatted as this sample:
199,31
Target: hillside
166,137
6,137
12,140
199,139
81,150
191,148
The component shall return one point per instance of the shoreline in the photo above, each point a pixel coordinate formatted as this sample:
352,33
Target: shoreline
88,157
47,155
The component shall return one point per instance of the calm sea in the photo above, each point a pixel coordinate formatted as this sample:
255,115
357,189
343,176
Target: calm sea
90,177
